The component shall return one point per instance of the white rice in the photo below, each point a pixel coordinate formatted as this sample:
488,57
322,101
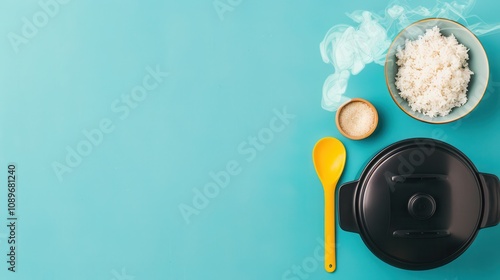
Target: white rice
433,73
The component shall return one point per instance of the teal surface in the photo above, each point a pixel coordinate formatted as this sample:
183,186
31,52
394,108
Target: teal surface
127,172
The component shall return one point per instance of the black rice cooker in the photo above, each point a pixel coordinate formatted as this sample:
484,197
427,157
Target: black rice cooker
419,204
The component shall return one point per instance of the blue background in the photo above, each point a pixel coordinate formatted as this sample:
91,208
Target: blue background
116,214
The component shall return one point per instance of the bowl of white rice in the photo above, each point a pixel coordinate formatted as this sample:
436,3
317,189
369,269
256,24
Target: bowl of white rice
436,70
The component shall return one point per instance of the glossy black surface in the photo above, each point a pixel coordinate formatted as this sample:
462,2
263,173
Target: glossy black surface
418,204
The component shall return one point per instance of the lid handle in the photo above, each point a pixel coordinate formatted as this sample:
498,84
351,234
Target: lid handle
420,177
347,212
491,192
421,233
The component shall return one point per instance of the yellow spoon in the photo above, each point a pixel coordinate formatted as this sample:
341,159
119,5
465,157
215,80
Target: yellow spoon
329,160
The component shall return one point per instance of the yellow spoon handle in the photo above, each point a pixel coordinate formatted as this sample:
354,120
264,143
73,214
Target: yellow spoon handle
330,258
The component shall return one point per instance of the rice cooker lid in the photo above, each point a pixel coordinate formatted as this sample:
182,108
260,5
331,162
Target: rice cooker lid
419,203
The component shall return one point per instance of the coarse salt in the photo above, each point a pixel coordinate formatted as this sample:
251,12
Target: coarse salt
356,119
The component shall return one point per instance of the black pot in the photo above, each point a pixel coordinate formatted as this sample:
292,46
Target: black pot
419,204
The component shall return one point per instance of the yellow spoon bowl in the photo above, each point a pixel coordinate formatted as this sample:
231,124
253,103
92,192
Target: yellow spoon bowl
329,159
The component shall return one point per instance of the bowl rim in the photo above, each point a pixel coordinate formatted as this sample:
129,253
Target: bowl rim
375,121
473,36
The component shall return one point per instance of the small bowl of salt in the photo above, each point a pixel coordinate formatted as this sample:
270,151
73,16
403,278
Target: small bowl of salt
357,119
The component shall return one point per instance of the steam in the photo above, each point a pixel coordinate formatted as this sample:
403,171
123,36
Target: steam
350,48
